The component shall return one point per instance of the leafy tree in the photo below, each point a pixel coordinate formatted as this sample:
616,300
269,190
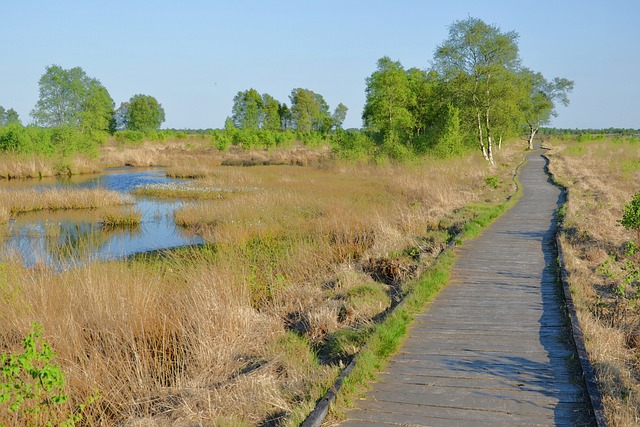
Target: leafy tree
247,108
120,117
11,117
309,111
285,116
389,100
339,115
422,87
270,117
97,112
8,117
72,98
144,113
478,62
539,99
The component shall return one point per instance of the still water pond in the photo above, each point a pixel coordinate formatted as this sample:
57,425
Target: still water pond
64,238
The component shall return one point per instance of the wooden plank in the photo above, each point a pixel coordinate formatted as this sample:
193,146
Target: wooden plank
407,414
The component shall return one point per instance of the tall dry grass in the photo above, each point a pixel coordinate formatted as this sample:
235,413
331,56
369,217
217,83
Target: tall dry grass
601,177
16,201
13,166
230,334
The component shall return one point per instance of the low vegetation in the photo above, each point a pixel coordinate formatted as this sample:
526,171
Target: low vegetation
20,200
253,327
600,241
121,219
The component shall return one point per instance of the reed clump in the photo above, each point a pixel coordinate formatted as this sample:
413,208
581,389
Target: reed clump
252,328
17,201
18,166
600,178
122,219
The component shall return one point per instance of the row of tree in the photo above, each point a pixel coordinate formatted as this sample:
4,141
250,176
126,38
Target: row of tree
475,93
70,98
476,89
309,112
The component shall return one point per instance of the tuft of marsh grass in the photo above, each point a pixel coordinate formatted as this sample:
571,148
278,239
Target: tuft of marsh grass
27,200
124,219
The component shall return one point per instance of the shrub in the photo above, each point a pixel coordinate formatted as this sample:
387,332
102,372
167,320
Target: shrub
492,181
32,387
631,215
130,136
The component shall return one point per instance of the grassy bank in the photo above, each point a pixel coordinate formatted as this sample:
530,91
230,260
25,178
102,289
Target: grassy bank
601,176
252,328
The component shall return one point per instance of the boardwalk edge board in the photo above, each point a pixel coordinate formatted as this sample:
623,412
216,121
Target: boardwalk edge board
317,416
588,373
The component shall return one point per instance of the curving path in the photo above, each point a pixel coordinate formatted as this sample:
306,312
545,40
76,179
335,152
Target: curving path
494,348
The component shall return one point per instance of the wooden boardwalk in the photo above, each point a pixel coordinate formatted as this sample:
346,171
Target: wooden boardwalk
494,348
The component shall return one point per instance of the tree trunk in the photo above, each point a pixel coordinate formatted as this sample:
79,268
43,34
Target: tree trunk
500,143
489,143
532,133
484,150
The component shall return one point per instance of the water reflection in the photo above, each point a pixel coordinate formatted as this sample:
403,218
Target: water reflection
63,238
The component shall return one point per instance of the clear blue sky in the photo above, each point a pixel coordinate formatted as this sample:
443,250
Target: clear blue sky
194,56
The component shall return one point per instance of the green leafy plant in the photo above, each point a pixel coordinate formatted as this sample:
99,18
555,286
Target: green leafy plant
32,387
625,270
631,215
492,181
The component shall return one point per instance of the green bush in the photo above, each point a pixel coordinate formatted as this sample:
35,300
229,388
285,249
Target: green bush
131,136
631,215
32,387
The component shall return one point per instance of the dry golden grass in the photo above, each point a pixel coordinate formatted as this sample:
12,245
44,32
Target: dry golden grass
228,334
601,177
21,166
197,157
27,200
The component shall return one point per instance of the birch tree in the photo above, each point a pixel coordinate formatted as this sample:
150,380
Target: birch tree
478,61
538,104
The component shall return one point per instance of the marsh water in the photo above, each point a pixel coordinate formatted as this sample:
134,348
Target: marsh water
64,238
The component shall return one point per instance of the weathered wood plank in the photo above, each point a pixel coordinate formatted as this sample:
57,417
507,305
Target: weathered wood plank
494,348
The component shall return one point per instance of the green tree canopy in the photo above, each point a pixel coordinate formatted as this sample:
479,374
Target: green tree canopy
339,115
479,63
270,115
309,111
144,113
8,117
539,98
389,100
71,98
247,108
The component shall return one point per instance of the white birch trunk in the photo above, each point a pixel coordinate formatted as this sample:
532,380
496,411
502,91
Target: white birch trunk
531,135
484,149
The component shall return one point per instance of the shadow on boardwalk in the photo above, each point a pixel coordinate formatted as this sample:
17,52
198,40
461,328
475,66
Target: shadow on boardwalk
494,349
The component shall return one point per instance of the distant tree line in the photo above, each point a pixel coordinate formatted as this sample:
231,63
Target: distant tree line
475,94
308,113
75,112
575,132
